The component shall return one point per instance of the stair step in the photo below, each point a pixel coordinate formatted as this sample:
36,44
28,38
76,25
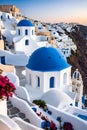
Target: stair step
14,110
27,120
9,106
8,102
11,116
8,112
21,115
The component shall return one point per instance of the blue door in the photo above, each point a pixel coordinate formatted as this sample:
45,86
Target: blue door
52,82
3,59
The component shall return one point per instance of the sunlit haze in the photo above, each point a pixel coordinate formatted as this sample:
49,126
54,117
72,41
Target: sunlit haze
52,10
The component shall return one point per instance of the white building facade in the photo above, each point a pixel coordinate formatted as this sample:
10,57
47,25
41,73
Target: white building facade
25,40
48,69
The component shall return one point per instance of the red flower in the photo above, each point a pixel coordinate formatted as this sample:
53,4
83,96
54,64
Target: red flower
6,87
67,126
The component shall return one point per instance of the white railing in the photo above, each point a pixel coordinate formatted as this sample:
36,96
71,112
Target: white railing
77,123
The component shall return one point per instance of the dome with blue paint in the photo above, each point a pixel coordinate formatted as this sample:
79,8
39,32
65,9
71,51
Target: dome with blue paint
25,22
47,59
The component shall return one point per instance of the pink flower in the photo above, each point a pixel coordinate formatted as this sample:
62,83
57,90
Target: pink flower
6,87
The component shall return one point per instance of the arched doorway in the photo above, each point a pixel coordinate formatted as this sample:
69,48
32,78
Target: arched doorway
52,82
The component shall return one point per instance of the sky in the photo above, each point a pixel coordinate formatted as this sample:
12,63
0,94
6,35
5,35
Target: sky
53,11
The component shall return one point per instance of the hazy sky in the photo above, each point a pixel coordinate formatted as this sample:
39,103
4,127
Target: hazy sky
52,10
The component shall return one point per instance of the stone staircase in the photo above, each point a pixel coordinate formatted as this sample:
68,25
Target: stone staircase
12,111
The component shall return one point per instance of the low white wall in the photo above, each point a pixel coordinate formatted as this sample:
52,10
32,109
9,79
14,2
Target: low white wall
24,125
76,110
27,110
3,107
13,78
77,123
22,93
8,124
14,59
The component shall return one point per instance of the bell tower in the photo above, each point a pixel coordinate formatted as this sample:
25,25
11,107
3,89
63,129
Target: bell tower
77,87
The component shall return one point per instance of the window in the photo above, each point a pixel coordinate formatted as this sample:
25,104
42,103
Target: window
52,82
38,81
8,17
11,9
1,17
19,32
76,75
26,32
26,42
32,32
3,60
65,78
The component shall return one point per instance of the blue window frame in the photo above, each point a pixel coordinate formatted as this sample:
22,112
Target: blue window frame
52,82
8,17
26,42
1,17
26,32
76,104
38,81
3,60
19,32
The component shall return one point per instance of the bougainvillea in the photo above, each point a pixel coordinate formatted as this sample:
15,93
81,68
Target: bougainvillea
6,87
67,126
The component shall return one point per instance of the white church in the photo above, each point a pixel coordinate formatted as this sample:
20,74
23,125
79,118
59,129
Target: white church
25,40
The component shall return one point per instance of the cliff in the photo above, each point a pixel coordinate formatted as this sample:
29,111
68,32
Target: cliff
79,59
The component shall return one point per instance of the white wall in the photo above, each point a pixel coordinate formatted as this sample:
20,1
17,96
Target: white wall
12,77
8,124
5,15
23,28
14,59
28,49
22,93
27,110
45,79
77,123
3,107
24,125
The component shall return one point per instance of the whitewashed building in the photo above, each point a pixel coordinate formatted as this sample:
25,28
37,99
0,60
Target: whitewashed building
47,68
25,40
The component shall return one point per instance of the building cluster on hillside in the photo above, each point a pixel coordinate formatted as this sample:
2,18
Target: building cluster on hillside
39,71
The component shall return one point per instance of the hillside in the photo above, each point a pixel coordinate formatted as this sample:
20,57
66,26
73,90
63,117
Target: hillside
79,60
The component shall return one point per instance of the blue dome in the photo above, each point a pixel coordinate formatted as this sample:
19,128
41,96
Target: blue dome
47,59
25,22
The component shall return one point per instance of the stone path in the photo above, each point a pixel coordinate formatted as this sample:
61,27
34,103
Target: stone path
12,111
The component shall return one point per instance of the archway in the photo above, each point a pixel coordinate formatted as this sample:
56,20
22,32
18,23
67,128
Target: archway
52,82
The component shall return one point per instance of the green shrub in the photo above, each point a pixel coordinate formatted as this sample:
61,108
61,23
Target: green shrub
40,103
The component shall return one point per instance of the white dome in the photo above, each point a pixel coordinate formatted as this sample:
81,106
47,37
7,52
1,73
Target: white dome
56,98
